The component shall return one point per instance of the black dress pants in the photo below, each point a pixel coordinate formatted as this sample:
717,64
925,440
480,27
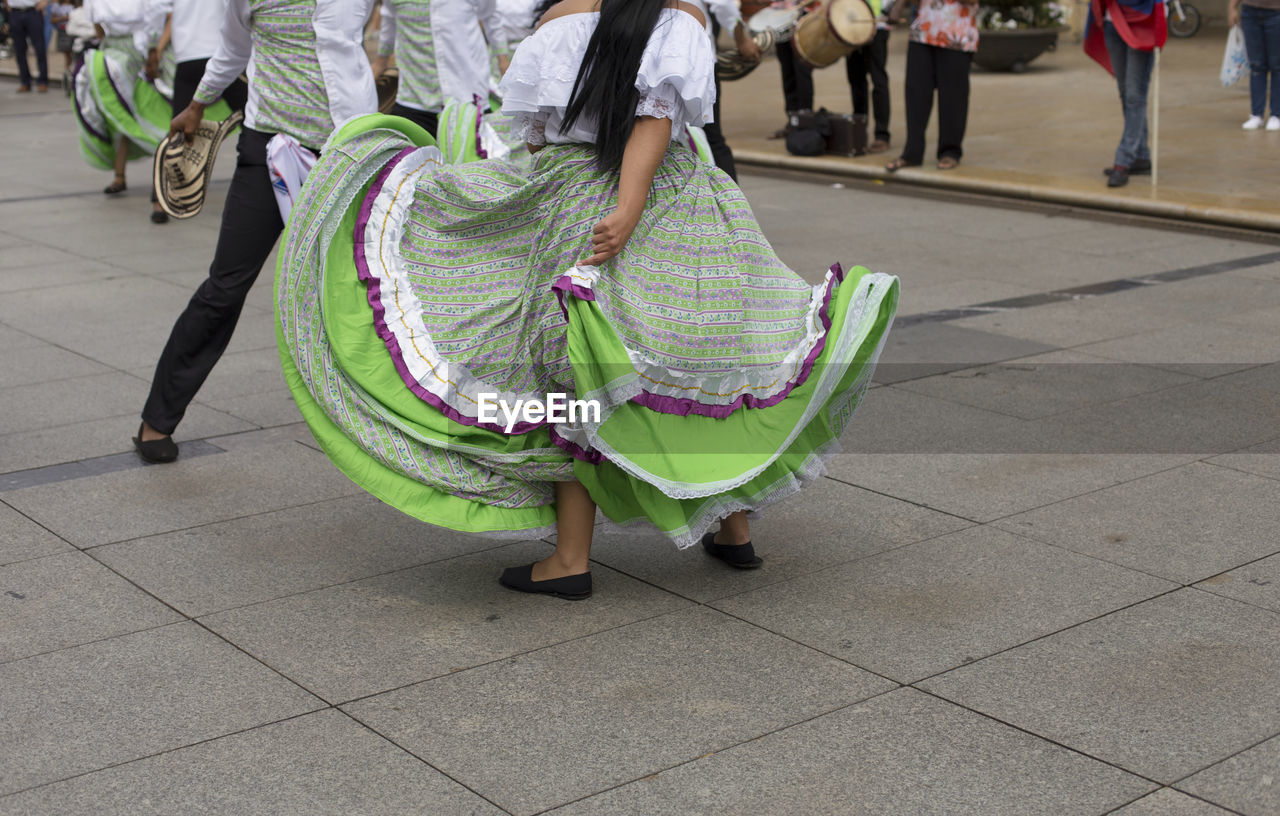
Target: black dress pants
28,24
427,120
715,136
186,81
797,79
250,226
871,59
930,67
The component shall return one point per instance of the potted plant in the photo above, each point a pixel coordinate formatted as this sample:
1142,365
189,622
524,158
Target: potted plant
1014,32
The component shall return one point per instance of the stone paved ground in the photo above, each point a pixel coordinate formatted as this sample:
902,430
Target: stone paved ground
1045,579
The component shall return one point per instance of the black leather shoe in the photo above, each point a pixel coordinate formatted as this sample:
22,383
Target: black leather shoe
1141,167
156,451
742,556
1118,177
159,217
570,587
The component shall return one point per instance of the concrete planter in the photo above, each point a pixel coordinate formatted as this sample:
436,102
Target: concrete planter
1012,49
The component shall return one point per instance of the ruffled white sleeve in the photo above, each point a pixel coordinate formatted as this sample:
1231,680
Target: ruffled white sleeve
677,72
676,78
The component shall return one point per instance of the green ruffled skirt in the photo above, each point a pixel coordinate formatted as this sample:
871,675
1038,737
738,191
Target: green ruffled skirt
412,295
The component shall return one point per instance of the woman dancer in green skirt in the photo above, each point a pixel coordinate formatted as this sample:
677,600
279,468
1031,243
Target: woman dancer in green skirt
502,351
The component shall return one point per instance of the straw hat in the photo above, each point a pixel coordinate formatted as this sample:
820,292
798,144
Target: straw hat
183,166
729,63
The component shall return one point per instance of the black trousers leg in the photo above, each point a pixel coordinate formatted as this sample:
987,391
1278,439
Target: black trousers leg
427,120
720,150
797,79
877,59
919,98
186,81
27,24
250,226
715,136
953,100
855,70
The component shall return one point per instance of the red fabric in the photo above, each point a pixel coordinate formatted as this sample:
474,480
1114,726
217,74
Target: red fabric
1144,32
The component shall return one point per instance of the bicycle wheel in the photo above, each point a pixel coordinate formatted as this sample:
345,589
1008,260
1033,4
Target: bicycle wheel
1185,25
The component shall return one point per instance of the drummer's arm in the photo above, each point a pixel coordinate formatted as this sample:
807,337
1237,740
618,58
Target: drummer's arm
640,159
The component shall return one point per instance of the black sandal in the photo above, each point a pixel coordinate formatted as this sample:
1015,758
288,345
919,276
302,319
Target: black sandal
569,588
899,163
115,187
742,556
156,451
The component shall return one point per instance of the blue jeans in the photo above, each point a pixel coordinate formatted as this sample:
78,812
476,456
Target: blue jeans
1133,74
1261,28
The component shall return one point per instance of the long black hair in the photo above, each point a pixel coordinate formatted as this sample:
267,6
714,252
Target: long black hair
605,89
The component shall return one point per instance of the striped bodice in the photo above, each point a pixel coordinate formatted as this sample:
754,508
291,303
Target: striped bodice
291,92
416,56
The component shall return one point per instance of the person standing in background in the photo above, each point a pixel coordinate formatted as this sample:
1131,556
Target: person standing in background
872,59
26,22
944,36
1259,21
725,14
1121,36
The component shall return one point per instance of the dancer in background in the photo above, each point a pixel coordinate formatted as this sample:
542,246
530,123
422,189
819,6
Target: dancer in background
442,51
622,272
308,71
121,114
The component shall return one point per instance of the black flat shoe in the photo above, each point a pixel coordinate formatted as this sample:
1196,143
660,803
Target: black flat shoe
1138,168
159,217
1118,177
570,587
742,556
156,451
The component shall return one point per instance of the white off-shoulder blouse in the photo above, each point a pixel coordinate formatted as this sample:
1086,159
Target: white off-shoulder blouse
676,79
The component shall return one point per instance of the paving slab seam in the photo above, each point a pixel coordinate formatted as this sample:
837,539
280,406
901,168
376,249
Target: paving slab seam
1087,492
1175,588
38,524
162,753
1189,795
497,546
722,750
911,502
1041,737
92,194
1208,460
810,574
94,640
1210,592
1248,219
1088,291
421,759
1183,779
513,655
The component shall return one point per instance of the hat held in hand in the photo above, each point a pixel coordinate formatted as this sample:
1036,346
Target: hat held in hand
183,166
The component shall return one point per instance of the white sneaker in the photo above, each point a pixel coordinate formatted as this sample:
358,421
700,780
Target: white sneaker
1254,123
1273,123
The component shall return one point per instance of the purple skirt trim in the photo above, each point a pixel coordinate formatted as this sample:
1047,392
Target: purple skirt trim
685,406
591,457
79,113
480,151
374,294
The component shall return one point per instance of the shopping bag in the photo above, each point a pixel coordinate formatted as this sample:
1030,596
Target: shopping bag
1234,59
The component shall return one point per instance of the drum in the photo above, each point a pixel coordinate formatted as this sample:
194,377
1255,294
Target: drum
852,21
781,21
832,31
